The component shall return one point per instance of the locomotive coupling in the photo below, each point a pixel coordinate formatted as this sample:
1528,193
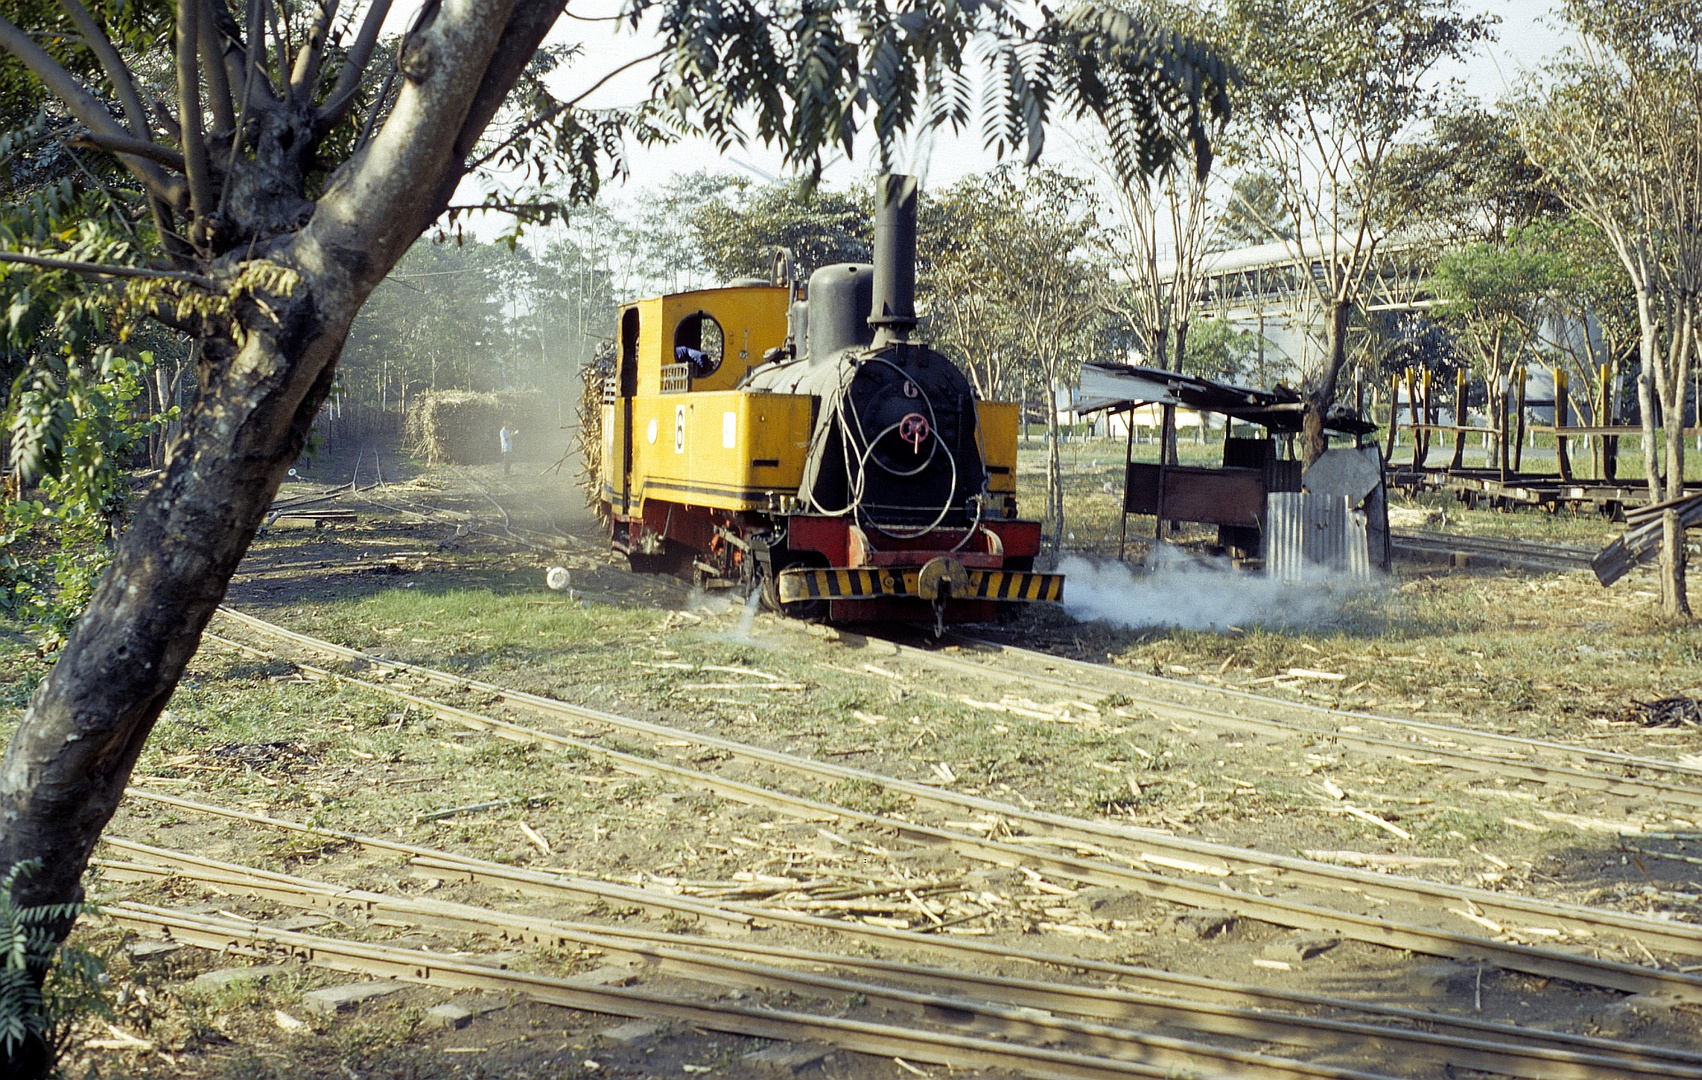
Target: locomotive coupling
942,578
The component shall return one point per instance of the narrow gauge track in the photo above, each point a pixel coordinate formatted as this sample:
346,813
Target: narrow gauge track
987,1005
1541,761
1430,905
1000,1007
931,1047
1463,550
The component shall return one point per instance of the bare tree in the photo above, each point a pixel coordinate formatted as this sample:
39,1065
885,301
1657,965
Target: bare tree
1620,137
1163,292
1332,90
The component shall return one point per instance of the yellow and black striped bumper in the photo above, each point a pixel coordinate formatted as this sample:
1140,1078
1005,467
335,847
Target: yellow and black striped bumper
868,583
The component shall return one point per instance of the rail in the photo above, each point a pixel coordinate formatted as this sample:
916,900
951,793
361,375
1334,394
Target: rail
1135,870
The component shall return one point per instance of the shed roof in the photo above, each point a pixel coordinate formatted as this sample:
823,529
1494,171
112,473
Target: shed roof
1120,386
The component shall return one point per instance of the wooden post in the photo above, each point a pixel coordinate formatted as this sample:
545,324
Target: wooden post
1123,496
1417,420
1166,457
1429,386
1605,416
1562,410
1394,416
1460,399
1358,404
1519,419
1501,388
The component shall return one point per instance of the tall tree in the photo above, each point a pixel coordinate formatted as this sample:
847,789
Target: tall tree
1018,286
288,175
1493,296
1468,178
1620,137
1332,90
739,229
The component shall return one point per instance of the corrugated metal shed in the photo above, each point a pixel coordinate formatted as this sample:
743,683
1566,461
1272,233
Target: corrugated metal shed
1315,536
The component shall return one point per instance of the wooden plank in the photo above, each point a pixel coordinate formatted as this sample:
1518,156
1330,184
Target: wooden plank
1221,496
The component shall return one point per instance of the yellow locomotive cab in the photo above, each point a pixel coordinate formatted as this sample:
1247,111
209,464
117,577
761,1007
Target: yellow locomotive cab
693,438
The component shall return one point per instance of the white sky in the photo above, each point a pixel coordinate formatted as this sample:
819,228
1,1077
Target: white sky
1528,33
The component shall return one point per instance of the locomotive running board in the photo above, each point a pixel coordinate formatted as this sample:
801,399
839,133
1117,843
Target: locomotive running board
868,583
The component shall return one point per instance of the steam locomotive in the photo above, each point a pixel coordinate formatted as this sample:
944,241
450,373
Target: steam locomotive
801,441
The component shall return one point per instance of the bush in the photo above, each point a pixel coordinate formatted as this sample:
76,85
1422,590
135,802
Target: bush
45,987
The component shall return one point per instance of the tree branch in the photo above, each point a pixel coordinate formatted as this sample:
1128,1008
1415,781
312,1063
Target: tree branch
124,144
377,110
190,115
307,62
239,59
218,80
83,105
77,267
282,45
115,68
250,76
527,25
349,79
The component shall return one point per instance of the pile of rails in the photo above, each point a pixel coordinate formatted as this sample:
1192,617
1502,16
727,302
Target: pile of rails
1642,539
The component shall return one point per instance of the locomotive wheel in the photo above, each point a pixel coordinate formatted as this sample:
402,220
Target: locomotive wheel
769,586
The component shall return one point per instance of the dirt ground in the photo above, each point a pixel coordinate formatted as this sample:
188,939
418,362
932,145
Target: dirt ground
446,567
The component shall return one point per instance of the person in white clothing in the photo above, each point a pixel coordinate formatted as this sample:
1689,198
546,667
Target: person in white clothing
507,436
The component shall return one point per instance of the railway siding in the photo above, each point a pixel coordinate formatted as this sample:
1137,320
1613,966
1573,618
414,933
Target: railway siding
992,1005
1432,907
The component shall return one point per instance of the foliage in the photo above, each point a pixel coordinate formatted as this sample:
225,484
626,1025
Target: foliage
1332,90
1616,136
73,393
1015,290
54,547
738,228
1217,350
1253,213
1470,176
1595,309
1414,341
1487,289
45,987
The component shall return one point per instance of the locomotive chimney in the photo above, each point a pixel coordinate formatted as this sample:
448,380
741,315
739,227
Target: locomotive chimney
894,310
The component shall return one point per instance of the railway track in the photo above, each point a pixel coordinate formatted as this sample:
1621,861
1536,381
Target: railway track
1193,873
1459,550
1538,761
1107,1028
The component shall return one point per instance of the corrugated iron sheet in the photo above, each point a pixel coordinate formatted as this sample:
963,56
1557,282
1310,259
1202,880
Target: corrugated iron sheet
1313,536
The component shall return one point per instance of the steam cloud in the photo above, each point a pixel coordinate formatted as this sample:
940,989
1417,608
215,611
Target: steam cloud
1194,593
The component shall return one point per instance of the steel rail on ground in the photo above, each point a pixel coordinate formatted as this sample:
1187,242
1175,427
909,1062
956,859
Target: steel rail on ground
737,917
885,1040
1095,869
1104,679
988,1002
1202,857
1492,550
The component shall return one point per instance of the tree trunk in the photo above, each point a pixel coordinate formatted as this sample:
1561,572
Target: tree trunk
1675,603
1317,398
1394,416
1648,356
70,760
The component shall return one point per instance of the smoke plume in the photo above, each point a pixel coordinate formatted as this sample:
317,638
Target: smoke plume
1194,593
